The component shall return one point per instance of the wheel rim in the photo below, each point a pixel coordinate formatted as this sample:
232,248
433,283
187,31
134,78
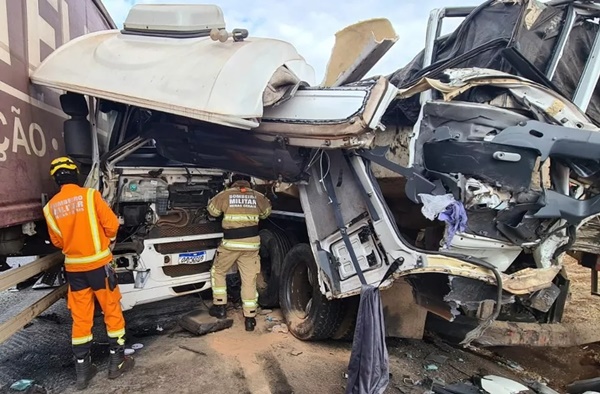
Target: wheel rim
301,290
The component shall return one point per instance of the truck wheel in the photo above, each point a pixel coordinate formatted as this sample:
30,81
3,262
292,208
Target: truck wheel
309,315
274,245
345,331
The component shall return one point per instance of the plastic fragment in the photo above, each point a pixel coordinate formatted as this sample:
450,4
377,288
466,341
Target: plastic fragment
283,328
137,346
129,351
21,385
431,367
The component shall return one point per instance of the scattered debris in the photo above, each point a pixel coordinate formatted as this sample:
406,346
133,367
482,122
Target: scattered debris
431,367
540,388
200,323
344,375
21,385
437,358
137,346
192,350
28,386
498,385
283,328
266,311
460,360
512,365
295,352
159,328
129,352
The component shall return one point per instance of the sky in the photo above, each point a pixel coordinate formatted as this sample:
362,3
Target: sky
310,25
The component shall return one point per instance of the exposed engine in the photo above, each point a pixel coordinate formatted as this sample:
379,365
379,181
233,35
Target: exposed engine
150,200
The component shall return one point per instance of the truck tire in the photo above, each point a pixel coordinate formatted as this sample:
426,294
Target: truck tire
345,331
309,315
274,245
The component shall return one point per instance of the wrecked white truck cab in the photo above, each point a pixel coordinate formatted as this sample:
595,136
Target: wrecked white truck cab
178,106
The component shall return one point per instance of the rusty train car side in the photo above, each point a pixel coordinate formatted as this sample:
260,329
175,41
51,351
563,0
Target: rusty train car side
30,116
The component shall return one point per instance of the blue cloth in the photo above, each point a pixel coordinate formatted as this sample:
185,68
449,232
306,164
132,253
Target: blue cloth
456,217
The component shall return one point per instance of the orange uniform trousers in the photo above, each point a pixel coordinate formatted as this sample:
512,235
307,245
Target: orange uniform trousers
101,284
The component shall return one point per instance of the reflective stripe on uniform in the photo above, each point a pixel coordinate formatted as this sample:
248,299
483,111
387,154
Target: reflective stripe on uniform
265,214
213,210
116,334
219,290
232,217
82,340
51,221
91,208
241,245
87,259
250,303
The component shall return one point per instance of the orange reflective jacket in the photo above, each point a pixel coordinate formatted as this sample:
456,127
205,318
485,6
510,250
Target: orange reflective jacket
82,225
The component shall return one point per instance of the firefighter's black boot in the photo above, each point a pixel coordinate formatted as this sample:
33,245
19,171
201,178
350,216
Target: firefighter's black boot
250,323
218,311
119,363
85,371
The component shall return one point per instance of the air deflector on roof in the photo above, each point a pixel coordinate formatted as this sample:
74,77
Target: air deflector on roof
190,20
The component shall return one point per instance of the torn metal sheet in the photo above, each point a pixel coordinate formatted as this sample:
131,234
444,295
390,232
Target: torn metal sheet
502,333
533,30
529,280
356,50
521,282
345,117
543,300
528,93
470,293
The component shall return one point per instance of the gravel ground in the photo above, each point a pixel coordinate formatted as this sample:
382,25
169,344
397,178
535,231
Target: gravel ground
234,361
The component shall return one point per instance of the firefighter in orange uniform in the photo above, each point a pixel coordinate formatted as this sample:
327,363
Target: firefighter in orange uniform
241,208
83,226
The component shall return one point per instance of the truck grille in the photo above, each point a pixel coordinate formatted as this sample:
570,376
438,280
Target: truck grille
194,229
187,246
176,271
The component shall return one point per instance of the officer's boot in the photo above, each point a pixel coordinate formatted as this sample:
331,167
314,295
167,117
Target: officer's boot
119,363
218,311
85,371
250,323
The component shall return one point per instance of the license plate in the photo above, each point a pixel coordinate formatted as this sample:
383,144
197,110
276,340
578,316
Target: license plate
192,258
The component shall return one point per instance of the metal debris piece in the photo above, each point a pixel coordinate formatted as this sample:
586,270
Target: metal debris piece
543,299
201,323
189,349
283,328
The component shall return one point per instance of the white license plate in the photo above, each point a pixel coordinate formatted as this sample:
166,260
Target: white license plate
192,258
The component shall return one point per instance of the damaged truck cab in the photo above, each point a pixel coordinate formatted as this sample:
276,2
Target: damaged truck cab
449,184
